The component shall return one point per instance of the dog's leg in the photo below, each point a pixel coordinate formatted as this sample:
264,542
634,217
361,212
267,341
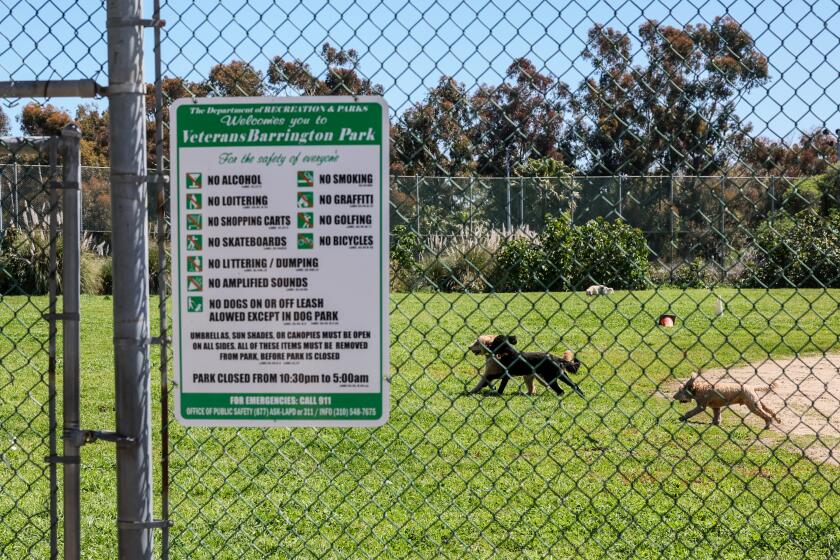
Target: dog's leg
716,416
490,367
565,379
556,387
503,384
696,410
482,383
757,409
769,411
529,383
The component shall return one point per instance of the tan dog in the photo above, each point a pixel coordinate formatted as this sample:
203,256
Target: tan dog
493,368
722,394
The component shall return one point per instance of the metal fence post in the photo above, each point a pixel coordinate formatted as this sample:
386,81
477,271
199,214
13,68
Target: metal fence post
619,196
15,194
163,333
722,223
126,91
671,226
70,289
53,337
472,204
507,203
417,200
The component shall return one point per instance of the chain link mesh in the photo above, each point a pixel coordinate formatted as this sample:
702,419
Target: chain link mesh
27,351
538,149
682,155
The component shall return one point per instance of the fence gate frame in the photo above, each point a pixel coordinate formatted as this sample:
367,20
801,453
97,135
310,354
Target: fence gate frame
66,146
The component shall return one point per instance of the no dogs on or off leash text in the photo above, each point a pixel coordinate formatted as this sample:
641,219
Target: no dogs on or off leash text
280,260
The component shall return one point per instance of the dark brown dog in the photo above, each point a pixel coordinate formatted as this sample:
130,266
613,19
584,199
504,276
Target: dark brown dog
492,368
504,361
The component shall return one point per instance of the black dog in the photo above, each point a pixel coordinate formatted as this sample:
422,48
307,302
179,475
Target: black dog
512,363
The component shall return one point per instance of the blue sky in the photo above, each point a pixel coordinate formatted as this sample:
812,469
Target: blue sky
406,45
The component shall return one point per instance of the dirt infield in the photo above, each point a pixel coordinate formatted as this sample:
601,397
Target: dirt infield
806,398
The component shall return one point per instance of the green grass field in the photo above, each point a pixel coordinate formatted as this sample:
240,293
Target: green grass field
452,475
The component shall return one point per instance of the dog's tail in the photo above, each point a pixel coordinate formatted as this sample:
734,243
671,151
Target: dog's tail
767,388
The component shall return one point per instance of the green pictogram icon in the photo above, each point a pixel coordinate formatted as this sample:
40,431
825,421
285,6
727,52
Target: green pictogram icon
195,283
305,200
306,241
193,180
305,220
194,243
194,264
193,221
193,202
305,178
195,304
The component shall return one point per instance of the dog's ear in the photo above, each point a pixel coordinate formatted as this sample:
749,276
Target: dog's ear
501,344
512,339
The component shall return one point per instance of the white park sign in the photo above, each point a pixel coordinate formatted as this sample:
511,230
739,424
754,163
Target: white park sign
280,261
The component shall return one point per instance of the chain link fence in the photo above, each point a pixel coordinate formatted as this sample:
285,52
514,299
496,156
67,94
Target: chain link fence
681,156
31,256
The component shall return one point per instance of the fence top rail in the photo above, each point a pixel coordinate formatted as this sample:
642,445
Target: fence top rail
28,145
8,142
27,164
590,177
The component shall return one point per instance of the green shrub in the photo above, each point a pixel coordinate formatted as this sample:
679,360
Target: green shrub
107,273
556,261
820,193
515,267
562,257
694,274
90,273
460,263
610,253
405,252
797,251
25,261
25,270
804,195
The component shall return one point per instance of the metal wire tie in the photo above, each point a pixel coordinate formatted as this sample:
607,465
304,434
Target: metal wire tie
63,459
68,316
66,185
132,22
156,524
